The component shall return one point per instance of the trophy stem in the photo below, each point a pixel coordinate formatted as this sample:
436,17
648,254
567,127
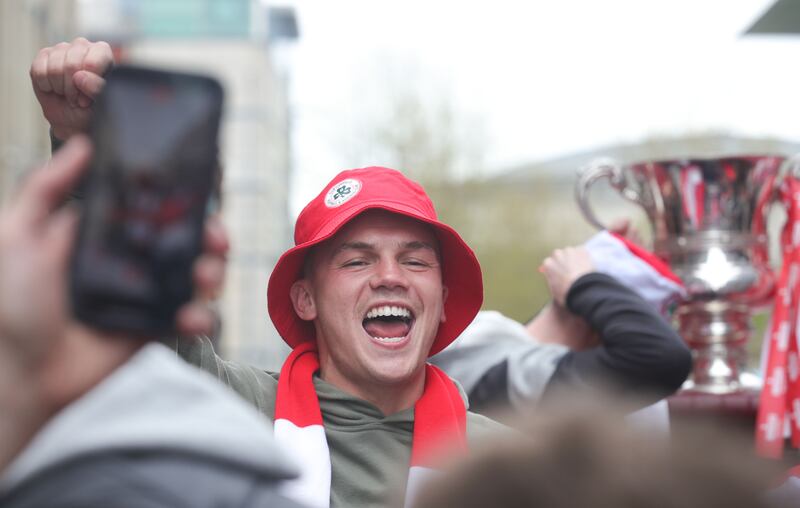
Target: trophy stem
717,332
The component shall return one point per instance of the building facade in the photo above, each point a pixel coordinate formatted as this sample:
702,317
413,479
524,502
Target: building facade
25,27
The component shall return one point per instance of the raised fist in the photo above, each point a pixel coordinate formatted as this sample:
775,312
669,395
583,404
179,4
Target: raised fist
66,79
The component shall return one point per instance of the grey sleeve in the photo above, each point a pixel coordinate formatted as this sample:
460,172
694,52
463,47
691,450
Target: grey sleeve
497,362
144,479
530,371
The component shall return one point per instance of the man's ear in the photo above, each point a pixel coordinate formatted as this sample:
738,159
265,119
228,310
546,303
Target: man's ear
303,300
445,292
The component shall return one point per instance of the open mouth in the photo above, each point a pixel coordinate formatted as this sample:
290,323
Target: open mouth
388,323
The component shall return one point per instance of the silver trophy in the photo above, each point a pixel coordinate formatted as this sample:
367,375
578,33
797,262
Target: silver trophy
708,218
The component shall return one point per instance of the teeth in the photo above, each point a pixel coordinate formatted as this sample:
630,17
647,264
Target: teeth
389,340
388,310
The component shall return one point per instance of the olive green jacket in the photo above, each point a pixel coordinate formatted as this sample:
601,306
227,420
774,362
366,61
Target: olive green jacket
370,452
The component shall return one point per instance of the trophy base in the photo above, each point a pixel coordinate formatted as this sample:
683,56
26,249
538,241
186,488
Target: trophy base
717,333
735,411
746,381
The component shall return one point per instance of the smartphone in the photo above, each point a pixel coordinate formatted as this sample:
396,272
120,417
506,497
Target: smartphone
145,198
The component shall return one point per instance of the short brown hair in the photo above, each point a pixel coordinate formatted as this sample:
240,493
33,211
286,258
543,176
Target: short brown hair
581,458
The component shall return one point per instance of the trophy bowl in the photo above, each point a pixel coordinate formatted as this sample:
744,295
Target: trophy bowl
708,219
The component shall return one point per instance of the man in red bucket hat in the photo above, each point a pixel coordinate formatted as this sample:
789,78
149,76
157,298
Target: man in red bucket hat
374,285
441,255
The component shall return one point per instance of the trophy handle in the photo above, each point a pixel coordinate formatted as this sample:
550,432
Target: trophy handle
792,167
597,169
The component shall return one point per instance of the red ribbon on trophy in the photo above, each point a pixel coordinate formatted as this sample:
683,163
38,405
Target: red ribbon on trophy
780,397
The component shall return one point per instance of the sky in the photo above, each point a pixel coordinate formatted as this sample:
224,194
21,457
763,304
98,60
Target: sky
538,79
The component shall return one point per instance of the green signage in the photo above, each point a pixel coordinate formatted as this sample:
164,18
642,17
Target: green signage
193,18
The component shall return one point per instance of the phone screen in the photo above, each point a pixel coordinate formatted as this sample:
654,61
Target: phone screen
146,196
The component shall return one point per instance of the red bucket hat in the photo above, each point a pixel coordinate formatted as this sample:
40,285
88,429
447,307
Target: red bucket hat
347,195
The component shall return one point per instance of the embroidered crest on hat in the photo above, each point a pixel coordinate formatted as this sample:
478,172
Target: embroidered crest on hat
342,192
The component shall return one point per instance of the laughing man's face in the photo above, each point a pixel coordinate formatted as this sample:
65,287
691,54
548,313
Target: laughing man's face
375,294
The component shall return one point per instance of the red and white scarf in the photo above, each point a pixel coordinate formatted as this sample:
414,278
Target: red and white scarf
779,405
439,417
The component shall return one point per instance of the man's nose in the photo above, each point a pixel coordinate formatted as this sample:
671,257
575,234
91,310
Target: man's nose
389,274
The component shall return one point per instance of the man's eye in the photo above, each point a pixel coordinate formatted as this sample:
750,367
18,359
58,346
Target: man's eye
354,262
417,263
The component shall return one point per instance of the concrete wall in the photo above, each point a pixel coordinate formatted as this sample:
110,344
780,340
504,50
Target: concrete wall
25,27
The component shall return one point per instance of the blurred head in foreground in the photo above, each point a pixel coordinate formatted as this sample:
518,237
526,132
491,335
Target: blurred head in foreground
582,458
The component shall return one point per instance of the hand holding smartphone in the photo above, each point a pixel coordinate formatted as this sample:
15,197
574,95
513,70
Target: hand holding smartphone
145,199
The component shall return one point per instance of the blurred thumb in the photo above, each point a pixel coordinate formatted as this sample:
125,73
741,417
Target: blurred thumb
60,235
